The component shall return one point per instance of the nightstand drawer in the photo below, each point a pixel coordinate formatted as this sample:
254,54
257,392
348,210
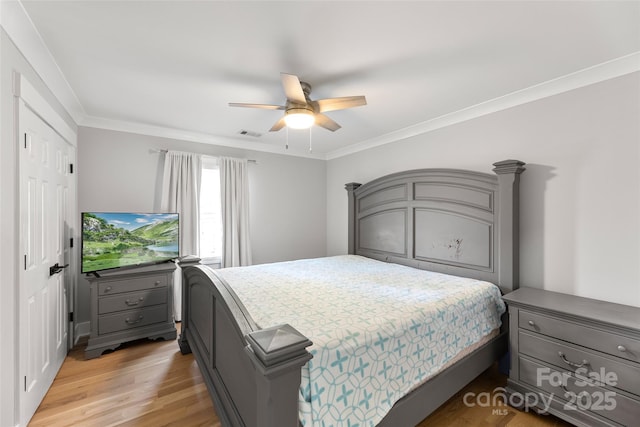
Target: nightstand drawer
565,356
133,284
607,342
129,300
132,319
578,395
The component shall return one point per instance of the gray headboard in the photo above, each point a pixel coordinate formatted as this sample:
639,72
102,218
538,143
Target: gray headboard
446,220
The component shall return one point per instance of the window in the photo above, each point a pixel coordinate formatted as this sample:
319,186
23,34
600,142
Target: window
210,217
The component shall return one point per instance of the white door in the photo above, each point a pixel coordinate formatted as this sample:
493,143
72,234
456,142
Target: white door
44,241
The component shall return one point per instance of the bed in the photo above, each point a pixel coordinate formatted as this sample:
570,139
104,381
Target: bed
268,362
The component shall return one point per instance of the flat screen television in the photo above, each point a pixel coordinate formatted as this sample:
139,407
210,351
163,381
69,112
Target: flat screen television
126,239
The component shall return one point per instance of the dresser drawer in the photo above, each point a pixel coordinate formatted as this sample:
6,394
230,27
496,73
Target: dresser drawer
618,374
132,319
607,342
129,300
132,284
578,395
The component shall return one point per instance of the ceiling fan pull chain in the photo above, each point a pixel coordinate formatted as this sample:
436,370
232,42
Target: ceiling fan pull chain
286,144
310,145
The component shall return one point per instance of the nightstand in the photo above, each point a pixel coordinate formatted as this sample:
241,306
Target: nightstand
130,304
576,358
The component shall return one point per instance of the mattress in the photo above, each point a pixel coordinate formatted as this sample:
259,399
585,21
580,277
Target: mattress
378,329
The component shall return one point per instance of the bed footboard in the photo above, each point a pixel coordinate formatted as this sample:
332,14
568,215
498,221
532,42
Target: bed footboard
255,377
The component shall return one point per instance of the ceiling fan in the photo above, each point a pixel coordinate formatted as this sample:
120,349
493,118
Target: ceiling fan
300,112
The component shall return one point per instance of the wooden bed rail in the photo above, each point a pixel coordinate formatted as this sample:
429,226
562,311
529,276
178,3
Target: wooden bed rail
255,377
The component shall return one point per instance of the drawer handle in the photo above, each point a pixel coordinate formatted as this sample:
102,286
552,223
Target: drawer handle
131,303
107,289
622,348
531,323
157,282
565,380
570,363
133,322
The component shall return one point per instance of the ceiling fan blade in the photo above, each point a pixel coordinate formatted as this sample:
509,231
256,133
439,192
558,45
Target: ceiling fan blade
327,123
263,106
293,88
333,104
278,125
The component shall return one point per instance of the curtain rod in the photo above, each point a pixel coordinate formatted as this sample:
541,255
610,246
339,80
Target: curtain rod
164,150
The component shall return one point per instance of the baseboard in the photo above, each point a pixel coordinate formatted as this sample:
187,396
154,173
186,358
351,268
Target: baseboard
82,329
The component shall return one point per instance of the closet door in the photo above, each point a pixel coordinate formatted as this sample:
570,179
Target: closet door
45,183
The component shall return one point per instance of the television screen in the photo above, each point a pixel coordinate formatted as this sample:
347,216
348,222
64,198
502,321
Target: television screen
112,240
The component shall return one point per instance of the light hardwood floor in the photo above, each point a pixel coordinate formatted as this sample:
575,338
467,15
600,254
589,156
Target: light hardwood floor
150,384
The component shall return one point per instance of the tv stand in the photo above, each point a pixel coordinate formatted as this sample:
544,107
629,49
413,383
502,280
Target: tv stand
130,304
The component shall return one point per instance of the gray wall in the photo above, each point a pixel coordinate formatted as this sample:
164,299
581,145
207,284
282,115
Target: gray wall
580,194
120,171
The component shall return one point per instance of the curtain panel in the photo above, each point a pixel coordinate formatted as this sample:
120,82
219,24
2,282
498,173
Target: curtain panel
181,193
234,195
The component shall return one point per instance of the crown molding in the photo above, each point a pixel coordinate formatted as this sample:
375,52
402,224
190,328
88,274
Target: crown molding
23,33
607,70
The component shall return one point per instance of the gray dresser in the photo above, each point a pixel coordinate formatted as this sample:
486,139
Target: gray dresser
129,304
576,357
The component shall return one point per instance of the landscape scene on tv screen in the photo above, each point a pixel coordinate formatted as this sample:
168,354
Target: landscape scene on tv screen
111,240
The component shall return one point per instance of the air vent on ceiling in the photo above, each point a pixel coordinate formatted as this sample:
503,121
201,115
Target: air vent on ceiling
250,133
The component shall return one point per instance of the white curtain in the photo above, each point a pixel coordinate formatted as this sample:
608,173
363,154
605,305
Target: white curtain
234,195
180,193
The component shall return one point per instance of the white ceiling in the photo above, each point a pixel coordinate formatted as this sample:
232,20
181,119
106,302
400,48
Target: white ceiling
171,67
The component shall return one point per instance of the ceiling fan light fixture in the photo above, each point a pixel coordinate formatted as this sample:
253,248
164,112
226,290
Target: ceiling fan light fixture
300,112
299,118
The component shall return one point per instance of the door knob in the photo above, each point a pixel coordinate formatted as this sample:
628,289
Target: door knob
54,269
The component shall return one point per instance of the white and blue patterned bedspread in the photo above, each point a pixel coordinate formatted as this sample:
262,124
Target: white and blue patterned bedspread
378,329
